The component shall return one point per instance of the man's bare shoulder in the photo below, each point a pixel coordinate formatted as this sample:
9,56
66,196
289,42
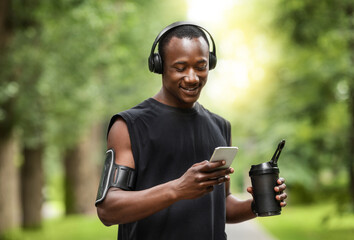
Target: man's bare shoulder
119,140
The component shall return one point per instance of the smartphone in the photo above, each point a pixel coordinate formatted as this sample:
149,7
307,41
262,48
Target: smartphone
224,153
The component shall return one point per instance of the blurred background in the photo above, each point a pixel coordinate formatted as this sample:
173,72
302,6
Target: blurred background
285,71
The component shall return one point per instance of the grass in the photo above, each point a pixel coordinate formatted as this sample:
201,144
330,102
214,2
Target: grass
296,222
72,227
310,222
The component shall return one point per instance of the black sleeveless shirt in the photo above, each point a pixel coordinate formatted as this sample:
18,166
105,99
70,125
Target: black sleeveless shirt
166,141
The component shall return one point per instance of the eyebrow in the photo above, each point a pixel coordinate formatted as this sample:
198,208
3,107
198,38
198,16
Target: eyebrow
184,62
179,62
202,61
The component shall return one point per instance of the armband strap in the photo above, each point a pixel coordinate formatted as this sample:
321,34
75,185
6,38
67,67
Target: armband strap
114,175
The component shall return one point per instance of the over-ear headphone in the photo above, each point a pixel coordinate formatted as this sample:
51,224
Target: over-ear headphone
155,60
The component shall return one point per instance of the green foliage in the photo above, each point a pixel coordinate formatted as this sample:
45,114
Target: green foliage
300,222
73,227
69,64
310,222
98,54
302,49
309,22
313,74
72,63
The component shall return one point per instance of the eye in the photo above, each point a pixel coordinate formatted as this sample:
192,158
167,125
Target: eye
180,69
201,67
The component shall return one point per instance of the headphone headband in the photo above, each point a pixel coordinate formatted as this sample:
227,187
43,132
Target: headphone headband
155,61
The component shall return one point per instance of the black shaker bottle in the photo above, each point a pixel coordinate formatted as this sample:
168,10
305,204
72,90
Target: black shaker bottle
264,178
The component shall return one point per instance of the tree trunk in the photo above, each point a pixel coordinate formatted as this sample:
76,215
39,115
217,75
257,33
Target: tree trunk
351,146
9,190
349,12
81,179
31,186
5,30
351,142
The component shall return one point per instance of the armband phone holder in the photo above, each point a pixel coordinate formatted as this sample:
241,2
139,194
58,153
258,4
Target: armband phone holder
114,175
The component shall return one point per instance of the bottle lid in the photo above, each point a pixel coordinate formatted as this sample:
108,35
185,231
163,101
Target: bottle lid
264,168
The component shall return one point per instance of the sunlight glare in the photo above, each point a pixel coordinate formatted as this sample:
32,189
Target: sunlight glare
207,11
230,79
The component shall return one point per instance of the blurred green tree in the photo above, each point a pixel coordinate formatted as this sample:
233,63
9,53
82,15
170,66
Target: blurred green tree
315,91
67,66
9,217
299,63
20,71
102,69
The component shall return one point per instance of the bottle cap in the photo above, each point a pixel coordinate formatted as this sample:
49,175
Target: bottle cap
264,168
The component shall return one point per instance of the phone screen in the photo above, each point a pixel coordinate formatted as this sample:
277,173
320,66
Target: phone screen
224,153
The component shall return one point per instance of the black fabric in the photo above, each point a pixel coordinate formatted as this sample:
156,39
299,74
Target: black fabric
114,175
122,177
166,141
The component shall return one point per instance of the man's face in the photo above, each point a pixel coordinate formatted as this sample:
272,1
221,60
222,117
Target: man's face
186,68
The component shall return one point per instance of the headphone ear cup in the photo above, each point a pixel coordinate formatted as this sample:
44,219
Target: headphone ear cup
212,61
151,63
157,62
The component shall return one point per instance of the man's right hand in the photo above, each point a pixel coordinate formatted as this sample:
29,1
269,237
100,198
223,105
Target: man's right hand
120,207
200,179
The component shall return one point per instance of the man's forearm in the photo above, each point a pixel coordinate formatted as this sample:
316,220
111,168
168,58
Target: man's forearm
121,207
238,210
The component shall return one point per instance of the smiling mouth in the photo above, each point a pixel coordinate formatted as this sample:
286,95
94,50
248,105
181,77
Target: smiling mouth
190,89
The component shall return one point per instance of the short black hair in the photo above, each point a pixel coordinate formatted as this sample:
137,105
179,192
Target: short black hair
184,31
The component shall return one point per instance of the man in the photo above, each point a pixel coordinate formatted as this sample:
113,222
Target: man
165,142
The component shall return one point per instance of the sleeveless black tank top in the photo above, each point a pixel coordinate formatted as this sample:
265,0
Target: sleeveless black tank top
165,142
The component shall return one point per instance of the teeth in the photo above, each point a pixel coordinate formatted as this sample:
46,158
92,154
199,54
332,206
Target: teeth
190,89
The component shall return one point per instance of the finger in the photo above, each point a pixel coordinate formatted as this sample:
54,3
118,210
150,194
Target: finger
219,173
283,204
250,190
224,172
201,163
280,180
230,170
281,197
224,179
215,181
280,188
210,166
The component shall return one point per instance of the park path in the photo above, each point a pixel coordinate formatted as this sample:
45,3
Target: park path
248,230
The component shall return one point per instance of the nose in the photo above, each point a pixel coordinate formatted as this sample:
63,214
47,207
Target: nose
191,77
